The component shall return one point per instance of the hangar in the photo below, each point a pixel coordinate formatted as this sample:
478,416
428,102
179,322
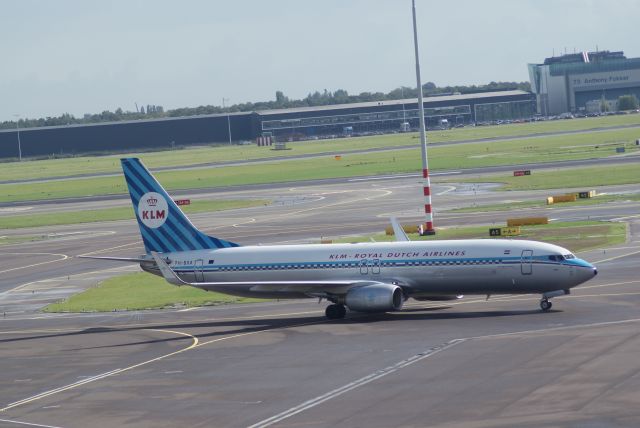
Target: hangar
390,115
288,124
579,82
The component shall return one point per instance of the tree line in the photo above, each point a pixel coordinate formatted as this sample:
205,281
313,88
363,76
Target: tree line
281,101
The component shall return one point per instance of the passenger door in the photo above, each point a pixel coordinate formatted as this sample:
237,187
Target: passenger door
198,270
526,262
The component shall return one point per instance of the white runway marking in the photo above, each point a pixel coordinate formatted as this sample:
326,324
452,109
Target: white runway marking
391,177
104,375
62,257
356,384
27,423
116,269
450,189
416,358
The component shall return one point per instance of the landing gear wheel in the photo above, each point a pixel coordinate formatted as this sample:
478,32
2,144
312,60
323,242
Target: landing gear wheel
335,312
545,305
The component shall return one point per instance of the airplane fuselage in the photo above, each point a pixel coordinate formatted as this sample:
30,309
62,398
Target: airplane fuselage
421,268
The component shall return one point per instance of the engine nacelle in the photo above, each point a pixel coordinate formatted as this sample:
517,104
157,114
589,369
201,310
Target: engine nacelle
375,298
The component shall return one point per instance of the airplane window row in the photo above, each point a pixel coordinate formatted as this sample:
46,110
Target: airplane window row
358,265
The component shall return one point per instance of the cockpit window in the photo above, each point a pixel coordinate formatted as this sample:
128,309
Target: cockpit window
569,256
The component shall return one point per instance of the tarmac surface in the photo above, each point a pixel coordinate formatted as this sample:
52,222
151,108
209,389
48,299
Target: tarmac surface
472,362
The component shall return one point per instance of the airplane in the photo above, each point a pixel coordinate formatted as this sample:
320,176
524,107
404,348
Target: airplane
361,277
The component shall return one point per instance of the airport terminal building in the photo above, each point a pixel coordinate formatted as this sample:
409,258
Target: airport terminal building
579,82
285,125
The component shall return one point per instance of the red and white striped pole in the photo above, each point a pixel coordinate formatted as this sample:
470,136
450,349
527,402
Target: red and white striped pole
428,229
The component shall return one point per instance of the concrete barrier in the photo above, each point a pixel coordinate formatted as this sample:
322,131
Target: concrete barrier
511,222
564,198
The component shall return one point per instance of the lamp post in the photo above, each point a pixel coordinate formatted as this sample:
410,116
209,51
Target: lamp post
228,119
428,229
17,116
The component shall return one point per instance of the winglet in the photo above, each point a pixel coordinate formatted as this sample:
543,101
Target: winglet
168,274
398,230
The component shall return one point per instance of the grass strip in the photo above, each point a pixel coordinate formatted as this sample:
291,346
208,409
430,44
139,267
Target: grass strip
112,214
449,157
576,236
139,291
510,206
221,153
585,178
10,240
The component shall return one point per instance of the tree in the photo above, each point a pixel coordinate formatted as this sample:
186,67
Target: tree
281,99
627,102
429,86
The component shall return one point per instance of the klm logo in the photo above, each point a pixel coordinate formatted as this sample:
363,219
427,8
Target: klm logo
153,210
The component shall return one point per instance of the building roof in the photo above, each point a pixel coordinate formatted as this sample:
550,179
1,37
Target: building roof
427,100
124,122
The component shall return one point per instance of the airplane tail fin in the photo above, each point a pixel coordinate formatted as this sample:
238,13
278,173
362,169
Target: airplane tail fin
163,226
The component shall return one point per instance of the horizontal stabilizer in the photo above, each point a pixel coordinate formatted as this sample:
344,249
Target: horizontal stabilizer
117,259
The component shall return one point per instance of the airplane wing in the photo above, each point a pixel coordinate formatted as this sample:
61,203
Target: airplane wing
312,287
398,230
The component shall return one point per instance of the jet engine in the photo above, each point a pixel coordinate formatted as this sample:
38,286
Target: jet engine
375,298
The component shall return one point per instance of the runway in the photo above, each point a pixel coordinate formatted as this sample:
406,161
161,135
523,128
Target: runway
471,363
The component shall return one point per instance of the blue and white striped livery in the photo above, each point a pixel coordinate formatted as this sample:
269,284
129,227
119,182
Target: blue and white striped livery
364,277
163,226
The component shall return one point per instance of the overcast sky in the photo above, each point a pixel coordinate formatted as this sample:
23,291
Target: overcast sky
81,56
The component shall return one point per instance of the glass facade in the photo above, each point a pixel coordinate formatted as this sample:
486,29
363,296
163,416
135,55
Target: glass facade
594,67
394,116
509,110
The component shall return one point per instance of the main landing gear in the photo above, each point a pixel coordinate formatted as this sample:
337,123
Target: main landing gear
545,304
335,312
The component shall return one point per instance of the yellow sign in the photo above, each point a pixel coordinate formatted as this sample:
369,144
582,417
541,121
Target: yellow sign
510,231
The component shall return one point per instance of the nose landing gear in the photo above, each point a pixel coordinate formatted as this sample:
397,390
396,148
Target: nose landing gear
545,304
335,312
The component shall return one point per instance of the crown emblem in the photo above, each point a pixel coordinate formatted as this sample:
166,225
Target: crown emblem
152,202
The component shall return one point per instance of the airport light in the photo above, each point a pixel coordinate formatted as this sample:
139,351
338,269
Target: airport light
17,116
228,119
428,227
